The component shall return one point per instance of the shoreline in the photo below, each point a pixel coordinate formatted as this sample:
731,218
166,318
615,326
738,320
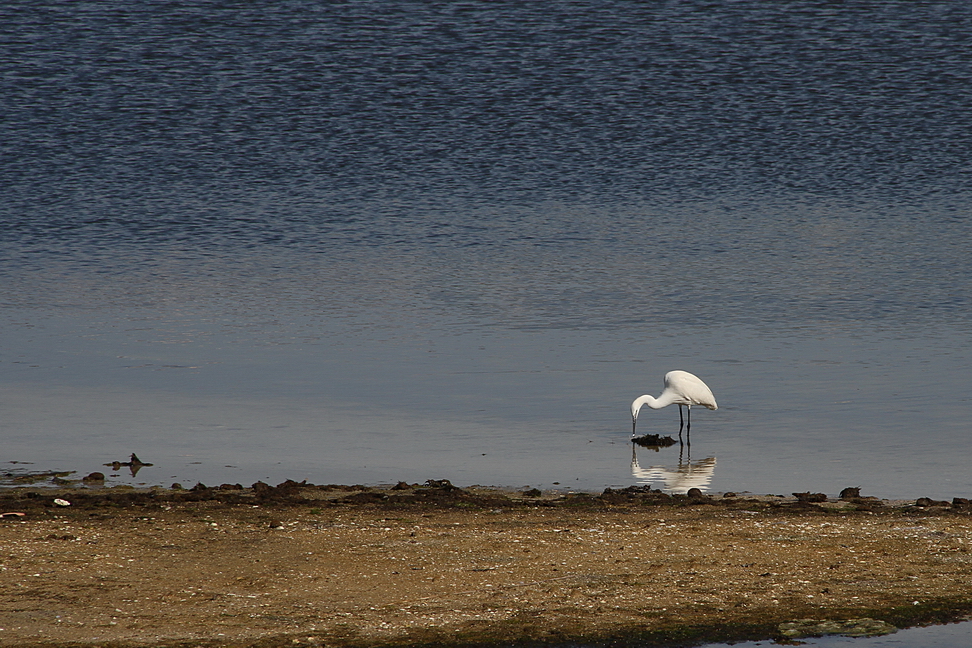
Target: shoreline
408,565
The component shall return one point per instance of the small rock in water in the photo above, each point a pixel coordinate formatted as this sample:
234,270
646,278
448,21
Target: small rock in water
132,462
653,441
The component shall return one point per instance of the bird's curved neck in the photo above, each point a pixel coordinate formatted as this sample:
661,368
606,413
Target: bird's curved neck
664,399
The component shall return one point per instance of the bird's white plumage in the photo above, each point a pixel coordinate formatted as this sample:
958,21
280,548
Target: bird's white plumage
681,388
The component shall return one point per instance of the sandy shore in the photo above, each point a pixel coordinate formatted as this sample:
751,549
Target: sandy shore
347,566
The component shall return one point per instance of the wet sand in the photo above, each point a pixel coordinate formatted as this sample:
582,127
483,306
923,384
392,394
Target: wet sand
311,565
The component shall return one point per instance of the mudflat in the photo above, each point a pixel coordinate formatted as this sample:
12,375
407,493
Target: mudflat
299,564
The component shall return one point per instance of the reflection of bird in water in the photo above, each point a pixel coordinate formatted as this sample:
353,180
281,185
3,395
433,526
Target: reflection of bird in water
688,474
681,388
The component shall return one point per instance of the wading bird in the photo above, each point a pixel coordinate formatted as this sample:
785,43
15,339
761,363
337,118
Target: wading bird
681,388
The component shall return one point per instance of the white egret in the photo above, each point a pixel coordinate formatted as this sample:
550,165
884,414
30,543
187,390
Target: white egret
681,388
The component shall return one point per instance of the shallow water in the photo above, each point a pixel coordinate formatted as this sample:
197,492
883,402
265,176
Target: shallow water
955,635
455,241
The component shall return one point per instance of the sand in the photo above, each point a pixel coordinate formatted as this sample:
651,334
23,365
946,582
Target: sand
350,566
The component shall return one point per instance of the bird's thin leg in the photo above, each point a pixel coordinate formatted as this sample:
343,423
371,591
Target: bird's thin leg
688,427
681,424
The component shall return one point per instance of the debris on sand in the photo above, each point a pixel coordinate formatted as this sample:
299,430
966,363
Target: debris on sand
849,628
810,497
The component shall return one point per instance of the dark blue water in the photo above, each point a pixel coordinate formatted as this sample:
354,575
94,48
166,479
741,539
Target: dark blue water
364,242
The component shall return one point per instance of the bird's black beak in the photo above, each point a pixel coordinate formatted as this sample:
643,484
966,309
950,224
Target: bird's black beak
634,424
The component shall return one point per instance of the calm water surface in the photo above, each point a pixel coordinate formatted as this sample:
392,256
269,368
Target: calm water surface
356,242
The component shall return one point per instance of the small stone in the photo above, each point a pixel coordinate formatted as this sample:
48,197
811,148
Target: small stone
850,492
